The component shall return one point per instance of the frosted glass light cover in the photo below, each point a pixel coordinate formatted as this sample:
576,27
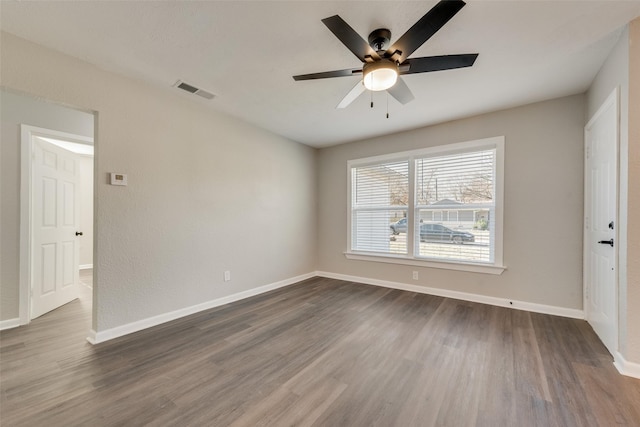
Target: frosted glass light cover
380,79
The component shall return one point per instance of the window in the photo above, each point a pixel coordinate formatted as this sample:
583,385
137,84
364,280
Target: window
439,207
380,195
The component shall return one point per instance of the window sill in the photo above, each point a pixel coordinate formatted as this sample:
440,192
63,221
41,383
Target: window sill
447,265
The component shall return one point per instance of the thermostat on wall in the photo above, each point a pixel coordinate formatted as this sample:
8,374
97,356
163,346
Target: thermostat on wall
118,178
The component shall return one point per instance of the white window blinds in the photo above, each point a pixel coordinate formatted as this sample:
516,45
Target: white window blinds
380,197
455,206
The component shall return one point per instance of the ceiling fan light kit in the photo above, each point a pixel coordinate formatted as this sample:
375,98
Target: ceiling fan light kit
380,75
383,66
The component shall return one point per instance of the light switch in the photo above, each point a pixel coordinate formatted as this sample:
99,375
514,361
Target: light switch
118,178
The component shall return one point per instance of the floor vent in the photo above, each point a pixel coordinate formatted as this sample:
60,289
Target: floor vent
194,90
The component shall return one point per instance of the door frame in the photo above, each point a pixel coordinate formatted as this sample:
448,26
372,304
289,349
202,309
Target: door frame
27,132
612,101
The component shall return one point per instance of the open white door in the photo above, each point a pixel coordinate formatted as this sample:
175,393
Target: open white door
55,248
601,172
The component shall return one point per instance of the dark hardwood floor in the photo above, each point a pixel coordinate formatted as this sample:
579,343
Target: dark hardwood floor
322,353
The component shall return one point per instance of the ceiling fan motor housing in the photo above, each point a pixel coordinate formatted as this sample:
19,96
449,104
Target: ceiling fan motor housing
379,39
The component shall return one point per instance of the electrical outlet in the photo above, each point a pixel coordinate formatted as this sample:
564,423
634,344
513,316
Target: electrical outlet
227,276
415,275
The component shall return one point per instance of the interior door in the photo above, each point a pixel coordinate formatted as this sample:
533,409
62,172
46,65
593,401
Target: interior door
601,291
55,215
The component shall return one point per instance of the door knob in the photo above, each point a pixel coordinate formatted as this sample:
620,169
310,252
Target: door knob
79,233
606,242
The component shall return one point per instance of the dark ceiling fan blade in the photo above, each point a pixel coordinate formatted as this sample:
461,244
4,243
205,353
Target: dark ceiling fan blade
426,27
328,74
401,92
350,38
352,95
438,63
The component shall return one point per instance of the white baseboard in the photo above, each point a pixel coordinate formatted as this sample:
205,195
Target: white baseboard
85,266
9,324
97,337
109,334
500,302
630,369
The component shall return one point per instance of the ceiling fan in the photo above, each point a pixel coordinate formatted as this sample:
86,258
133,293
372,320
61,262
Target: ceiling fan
383,64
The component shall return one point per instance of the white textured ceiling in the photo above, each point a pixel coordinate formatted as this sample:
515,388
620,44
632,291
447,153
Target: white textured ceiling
246,52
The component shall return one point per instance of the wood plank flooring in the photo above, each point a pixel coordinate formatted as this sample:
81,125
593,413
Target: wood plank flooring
320,353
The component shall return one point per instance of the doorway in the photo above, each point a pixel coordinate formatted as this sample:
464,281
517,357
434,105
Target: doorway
601,223
56,218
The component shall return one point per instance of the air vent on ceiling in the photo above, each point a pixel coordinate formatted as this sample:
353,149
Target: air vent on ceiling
192,89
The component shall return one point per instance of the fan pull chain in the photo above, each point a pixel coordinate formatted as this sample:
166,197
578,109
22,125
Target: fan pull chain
371,93
387,105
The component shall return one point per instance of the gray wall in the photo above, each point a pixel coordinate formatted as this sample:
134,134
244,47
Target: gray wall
16,109
207,192
542,214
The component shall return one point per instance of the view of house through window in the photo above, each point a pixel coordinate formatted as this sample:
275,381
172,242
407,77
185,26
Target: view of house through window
428,204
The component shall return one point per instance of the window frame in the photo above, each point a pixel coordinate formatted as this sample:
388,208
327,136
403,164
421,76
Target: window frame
411,258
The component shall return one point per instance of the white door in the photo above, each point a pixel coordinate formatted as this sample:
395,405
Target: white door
601,290
55,248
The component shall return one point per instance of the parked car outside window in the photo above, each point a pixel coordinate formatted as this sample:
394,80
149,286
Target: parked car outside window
399,226
440,233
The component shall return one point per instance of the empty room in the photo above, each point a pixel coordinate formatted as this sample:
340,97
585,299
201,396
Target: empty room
320,213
